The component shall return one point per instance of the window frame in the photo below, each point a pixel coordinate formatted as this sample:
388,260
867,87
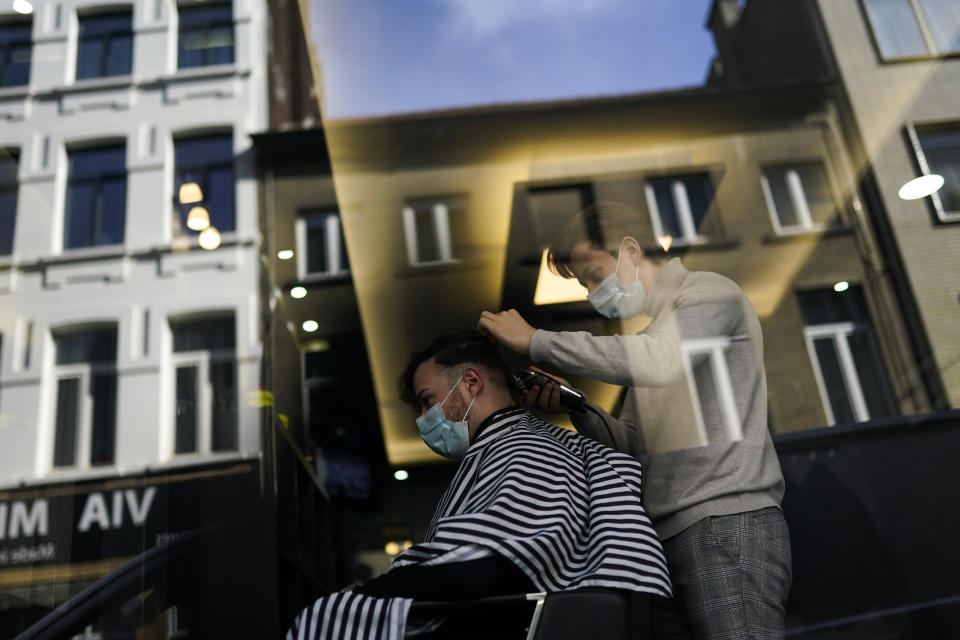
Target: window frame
5,53
202,359
921,19
333,232
839,333
97,182
83,427
440,217
714,348
205,28
798,195
108,37
921,158
684,212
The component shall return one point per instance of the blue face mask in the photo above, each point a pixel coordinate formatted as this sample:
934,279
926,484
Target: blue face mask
449,439
613,300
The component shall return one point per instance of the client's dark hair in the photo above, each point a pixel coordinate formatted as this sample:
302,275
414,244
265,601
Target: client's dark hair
464,347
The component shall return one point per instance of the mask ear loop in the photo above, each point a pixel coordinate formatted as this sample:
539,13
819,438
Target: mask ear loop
470,407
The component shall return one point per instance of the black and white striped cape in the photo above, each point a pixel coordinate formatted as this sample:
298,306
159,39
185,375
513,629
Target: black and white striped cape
563,508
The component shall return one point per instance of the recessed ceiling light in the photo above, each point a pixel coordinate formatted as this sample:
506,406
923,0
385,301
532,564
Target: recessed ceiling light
841,286
401,474
921,187
298,292
310,326
285,254
23,6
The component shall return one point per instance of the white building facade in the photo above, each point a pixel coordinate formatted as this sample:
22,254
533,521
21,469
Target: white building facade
125,344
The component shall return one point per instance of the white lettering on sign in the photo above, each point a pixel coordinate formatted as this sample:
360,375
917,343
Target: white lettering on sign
23,521
95,510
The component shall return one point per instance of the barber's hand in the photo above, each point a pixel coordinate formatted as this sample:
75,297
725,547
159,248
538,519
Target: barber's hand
546,399
508,328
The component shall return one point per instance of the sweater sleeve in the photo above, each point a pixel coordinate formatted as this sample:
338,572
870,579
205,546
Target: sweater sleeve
616,433
653,358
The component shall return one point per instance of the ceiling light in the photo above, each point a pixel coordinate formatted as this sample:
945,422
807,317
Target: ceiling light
285,254
400,474
310,326
198,219
190,192
841,286
210,238
298,292
23,6
665,242
391,548
921,187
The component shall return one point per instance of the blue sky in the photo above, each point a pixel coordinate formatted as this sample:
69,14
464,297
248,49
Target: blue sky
397,56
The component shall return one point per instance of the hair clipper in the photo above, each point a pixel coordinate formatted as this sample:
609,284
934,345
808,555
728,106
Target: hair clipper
570,399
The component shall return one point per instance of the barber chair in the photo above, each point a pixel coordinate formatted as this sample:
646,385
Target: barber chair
591,613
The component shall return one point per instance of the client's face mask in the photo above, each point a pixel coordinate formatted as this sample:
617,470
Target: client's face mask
612,299
449,439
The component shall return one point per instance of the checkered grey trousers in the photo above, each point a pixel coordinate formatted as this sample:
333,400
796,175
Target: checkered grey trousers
731,576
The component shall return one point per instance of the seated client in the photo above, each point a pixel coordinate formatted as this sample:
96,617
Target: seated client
532,507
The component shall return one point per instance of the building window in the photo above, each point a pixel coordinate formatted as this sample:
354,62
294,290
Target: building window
320,246
938,151
206,35
426,226
845,358
15,49
915,28
798,197
9,165
96,197
205,384
679,205
86,375
105,45
206,161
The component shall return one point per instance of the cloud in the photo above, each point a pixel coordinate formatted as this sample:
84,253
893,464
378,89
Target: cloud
481,19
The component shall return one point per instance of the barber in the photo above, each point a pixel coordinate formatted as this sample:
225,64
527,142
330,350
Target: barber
694,411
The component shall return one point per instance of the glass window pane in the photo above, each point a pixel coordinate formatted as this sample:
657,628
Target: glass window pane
91,345
99,161
221,194
699,194
205,14
18,66
205,334
943,19
8,219
780,192
316,230
833,380
90,58
65,438
941,148
223,381
202,151
80,213
666,208
186,408
103,390
120,56
113,202
816,190
106,23
219,45
895,28
427,243
870,373
191,50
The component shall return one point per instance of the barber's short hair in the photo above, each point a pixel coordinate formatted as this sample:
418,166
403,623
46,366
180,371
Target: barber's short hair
462,348
603,225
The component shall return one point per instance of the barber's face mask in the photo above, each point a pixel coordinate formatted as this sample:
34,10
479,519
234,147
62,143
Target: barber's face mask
612,299
449,439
